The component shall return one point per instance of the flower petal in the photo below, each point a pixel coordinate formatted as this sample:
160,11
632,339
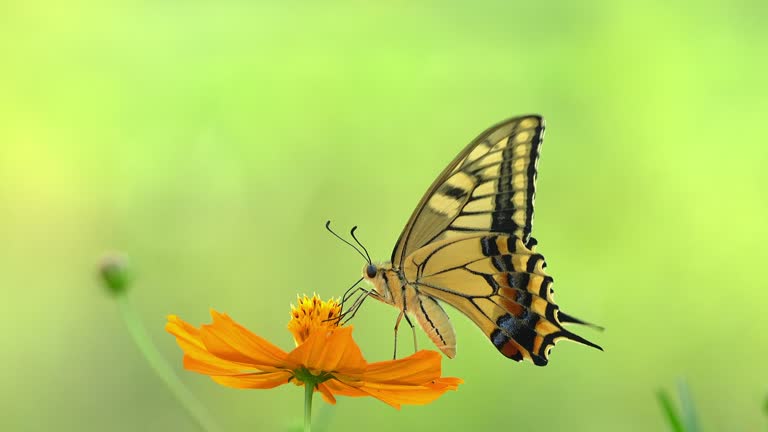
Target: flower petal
184,331
211,365
264,380
333,351
326,393
395,395
412,380
416,369
343,389
447,383
230,341
196,357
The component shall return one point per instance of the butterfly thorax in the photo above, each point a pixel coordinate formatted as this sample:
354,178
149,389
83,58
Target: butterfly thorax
389,285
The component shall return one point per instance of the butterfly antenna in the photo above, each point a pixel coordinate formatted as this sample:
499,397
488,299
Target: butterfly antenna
352,233
328,227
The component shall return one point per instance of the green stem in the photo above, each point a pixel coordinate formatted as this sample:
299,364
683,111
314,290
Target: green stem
309,390
673,418
140,336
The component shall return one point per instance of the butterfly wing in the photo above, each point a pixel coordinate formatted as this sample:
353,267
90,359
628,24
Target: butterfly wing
468,244
488,187
500,284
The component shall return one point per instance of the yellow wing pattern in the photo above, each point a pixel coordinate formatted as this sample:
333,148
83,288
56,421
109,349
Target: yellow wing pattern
489,187
500,284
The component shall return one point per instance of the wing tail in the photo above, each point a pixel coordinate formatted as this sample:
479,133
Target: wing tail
568,319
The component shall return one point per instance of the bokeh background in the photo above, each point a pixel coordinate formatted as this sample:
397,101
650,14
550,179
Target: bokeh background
210,141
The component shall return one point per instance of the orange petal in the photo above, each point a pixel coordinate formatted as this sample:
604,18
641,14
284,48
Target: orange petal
264,380
398,395
212,365
196,357
447,383
412,380
333,351
326,393
183,331
343,389
416,369
230,341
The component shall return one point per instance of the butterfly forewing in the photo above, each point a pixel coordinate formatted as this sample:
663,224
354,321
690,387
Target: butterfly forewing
489,187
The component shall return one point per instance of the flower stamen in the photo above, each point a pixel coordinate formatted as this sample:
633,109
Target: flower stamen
311,315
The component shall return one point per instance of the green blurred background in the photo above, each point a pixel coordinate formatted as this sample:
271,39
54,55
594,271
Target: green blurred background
211,140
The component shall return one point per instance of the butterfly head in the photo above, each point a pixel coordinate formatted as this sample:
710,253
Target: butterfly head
376,275
373,274
370,271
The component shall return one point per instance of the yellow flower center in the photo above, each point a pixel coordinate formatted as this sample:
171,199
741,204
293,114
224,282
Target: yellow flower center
311,315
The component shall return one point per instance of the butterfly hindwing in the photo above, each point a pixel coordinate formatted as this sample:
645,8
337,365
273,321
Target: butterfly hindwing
489,187
500,284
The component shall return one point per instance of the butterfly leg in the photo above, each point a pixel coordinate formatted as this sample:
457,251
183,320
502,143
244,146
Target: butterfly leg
397,325
413,330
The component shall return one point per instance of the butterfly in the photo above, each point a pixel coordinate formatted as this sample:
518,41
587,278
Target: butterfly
468,244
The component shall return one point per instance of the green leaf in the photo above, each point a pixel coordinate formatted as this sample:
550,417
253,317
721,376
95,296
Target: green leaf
673,418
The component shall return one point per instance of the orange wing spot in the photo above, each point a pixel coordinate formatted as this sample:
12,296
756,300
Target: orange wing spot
510,350
509,293
513,308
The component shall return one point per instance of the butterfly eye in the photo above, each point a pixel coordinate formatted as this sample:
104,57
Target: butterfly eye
371,271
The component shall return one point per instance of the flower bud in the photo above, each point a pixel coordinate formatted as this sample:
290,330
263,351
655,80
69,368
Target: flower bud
114,273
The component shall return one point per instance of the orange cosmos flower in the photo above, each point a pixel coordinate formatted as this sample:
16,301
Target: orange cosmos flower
325,356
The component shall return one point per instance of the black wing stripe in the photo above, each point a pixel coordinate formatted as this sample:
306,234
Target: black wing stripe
501,178
478,212
476,172
503,211
534,157
488,246
464,229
